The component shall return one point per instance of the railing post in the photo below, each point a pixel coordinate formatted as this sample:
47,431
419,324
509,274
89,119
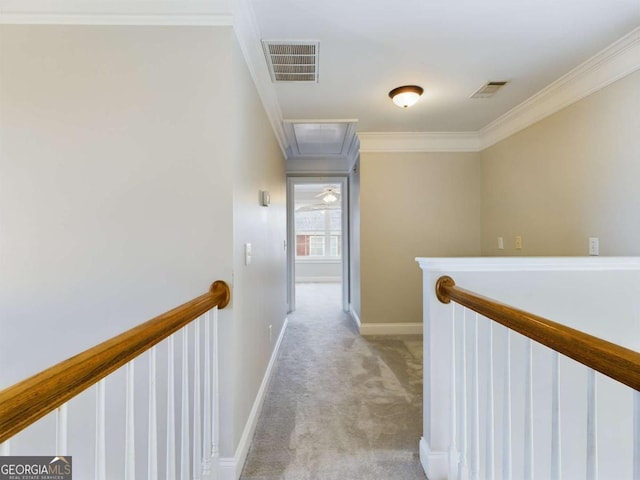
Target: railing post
592,426
130,441
556,432
152,452
61,431
453,401
101,453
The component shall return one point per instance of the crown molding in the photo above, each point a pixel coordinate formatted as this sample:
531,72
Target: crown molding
613,63
618,60
248,34
78,12
419,142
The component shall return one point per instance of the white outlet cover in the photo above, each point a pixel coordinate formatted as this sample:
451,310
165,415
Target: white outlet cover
247,253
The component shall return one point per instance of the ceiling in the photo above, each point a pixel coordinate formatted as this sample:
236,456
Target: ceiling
450,48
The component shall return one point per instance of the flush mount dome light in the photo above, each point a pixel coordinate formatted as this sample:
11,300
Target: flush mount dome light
406,95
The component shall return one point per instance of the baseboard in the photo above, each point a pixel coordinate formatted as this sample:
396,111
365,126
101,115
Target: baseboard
434,464
391,329
231,467
355,317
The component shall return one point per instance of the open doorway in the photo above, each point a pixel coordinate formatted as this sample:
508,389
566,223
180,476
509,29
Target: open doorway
318,234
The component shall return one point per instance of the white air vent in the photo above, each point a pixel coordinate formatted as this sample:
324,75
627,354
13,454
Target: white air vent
292,61
488,90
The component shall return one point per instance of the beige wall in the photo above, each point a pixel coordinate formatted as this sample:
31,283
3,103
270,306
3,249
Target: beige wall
568,177
130,164
114,202
260,288
412,205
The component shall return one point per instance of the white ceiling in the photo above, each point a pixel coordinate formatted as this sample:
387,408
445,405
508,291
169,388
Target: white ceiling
449,47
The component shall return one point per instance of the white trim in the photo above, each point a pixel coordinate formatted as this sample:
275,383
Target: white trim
434,463
391,329
318,279
519,264
248,34
618,60
227,469
171,19
105,12
231,468
419,142
355,317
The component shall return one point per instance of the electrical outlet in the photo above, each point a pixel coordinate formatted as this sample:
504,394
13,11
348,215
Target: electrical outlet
500,243
594,246
518,242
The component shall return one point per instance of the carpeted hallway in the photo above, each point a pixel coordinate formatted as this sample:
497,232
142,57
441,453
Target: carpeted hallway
339,406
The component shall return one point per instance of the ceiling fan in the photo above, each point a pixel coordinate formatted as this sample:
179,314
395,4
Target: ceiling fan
330,194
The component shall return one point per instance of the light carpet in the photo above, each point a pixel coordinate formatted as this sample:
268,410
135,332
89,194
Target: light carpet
339,406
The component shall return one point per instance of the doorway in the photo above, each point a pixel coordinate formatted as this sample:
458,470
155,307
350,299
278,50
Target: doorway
317,221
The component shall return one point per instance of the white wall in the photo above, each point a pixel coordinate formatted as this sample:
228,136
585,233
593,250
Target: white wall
568,177
412,204
260,288
115,199
130,164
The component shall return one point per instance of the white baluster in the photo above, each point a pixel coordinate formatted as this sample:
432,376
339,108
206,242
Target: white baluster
528,413
61,431
490,431
5,448
215,428
130,443
197,439
636,435
592,426
453,401
463,468
506,421
206,426
474,451
184,443
152,447
101,453
171,412
556,446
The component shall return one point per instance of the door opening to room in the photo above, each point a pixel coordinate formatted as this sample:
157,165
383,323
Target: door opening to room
318,226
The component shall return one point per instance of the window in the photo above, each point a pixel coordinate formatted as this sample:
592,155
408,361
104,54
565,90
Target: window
318,234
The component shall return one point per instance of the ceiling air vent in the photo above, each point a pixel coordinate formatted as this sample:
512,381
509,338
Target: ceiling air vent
292,61
488,90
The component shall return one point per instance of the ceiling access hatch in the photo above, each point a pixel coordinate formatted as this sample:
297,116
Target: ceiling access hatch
489,89
292,61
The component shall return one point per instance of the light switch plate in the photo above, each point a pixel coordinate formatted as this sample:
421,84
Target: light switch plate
247,253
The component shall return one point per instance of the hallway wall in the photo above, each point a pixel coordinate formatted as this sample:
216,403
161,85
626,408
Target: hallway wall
127,185
568,177
413,205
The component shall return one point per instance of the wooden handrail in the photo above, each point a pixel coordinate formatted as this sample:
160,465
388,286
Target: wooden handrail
31,399
615,361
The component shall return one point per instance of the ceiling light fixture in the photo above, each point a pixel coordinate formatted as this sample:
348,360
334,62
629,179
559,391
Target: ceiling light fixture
406,95
329,198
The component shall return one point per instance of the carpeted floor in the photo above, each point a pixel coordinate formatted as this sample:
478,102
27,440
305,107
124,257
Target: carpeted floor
339,406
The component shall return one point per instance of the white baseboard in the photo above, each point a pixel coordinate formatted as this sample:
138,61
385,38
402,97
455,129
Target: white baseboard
231,467
355,317
434,464
391,329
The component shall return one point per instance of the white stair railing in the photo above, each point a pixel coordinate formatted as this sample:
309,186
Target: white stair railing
515,407
196,433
